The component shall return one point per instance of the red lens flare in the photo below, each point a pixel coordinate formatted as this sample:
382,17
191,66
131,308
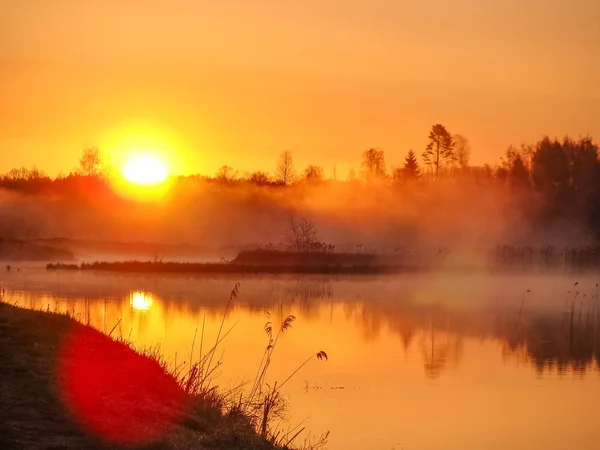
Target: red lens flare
117,394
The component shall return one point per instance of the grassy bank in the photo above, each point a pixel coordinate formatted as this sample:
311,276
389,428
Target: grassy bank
66,385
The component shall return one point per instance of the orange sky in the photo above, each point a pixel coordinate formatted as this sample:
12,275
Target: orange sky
237,81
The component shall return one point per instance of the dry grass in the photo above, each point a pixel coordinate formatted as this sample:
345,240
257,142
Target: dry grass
34,413
262,406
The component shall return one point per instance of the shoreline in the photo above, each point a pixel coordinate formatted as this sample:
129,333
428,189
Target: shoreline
67,385
187,268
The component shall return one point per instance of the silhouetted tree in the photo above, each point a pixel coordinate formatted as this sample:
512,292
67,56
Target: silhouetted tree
259,178
36,174
301,234
285,171
373,164
552,174
226,174
567,174
90,162
397,176
439,151
550,165
23,179
15,175
525,152
501,175
411,166
157,257
583,163
517,173
408,172
584,180
462,150
313,173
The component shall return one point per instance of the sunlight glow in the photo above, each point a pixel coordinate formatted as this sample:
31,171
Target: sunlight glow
142,301
145,170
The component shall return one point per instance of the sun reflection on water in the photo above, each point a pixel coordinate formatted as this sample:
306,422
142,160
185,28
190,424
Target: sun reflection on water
141,300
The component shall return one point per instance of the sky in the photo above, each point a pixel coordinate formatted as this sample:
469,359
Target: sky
208,83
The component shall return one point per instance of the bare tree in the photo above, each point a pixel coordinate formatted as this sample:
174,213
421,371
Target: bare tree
313,173
17,174
525,152
301,235
90,162
462,150
226,174
373,164
36,174
439,151
259,178
157,257
285,172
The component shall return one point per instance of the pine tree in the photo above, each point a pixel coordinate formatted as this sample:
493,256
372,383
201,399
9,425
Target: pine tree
411,166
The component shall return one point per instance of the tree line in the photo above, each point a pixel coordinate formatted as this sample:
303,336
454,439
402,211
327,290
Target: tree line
443,151
560,177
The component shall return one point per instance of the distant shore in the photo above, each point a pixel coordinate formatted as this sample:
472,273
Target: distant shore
503,259
260,262
233,268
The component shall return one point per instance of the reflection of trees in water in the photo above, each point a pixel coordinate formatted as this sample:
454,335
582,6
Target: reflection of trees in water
438,332
295,297
564,339
560,341
440,349
552,342
308,294
371,327
308,291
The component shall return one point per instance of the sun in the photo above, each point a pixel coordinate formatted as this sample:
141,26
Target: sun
145,170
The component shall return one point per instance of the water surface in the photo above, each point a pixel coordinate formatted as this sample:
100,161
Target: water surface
415,362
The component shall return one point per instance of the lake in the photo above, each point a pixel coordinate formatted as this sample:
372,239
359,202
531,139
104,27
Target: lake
419,362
